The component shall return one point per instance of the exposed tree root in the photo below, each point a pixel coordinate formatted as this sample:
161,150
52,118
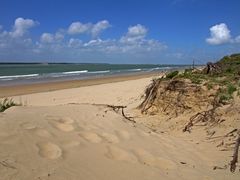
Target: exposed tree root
235,155
158,92
208,117
117,108
150,95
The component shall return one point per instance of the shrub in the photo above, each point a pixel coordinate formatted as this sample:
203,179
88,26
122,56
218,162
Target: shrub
172,74
224,98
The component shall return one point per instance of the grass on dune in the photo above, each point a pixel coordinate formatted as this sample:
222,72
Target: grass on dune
7,103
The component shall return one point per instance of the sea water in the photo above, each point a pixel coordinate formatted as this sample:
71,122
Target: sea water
25,73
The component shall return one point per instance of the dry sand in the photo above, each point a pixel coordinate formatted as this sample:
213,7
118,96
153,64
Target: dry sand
71,134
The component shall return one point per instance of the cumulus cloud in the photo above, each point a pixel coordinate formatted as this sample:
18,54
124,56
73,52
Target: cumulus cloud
21,26
93,29
99,27
138,30
78,28
51,38
133,42
220,34
15,42
135,33
47,38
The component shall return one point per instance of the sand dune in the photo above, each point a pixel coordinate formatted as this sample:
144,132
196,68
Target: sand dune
71,134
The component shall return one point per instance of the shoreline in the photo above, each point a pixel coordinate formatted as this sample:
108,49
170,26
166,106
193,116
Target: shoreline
16,90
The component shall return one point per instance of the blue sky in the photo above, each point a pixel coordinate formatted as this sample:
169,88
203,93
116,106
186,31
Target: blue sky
126,31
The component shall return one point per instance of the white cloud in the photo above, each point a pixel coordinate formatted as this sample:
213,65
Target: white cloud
134,34
78,28
220,34
59,36
75,43
237,39
93,29
51,38
93,42
138,30
99,27
133,42
21,26
47,38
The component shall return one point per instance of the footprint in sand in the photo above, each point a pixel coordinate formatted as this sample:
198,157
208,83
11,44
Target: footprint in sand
119,154
91,137
63,127
49,150
28,126
66,120
123,134
146,157
63,124
111,138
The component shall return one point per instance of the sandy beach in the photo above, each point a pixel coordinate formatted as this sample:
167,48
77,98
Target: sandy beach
6,91
67,131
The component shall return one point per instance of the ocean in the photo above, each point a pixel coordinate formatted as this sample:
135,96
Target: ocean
25,73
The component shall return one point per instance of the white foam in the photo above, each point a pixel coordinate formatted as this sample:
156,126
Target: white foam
19,76
134,69
75,72
107,71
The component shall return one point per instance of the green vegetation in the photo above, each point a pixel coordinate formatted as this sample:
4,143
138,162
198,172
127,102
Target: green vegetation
172,74
195,78
225,93
224,75
209,86
231,89
230,64
7,103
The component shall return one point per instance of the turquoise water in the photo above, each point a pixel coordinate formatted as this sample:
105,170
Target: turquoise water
31,73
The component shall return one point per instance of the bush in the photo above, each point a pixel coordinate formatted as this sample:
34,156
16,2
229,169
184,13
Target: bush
172,74
224,98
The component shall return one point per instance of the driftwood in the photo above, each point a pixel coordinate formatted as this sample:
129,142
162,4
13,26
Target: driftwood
117,108
231,133
235,155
